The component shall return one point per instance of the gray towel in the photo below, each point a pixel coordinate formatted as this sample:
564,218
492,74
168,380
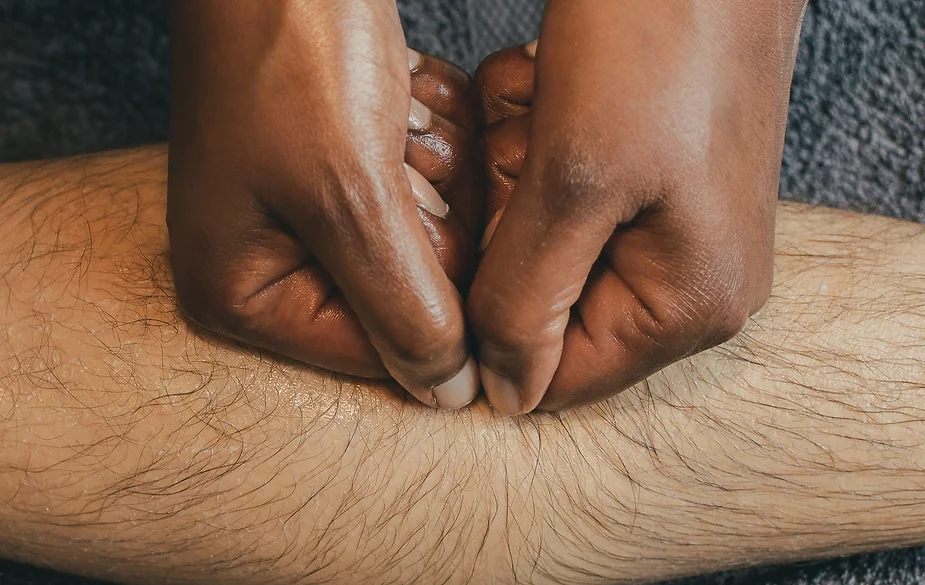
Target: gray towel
86,76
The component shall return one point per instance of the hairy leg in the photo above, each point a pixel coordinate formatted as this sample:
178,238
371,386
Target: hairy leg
137,448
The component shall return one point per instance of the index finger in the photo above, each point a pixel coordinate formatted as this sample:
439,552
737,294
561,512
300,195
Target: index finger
506,83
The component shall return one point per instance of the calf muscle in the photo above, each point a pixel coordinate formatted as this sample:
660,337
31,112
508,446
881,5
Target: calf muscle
136,447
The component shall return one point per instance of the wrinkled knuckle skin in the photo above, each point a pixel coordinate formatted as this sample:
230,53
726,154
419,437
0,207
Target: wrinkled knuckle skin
493,105
216,310
491,85
681,328
503,153
721,322
734,299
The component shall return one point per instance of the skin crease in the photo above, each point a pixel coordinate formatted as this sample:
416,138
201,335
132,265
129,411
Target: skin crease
641,230
292,222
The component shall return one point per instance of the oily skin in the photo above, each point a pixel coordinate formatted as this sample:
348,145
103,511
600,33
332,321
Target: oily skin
292,217
641,228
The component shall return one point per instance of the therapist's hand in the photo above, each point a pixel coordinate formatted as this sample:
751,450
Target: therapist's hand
295,223
638,226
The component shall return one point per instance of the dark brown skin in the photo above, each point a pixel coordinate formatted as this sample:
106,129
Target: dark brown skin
638,226
291,218
637,229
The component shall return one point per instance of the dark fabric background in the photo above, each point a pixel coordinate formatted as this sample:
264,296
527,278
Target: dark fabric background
83,75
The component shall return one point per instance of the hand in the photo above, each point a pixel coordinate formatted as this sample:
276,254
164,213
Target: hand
291,210
638,227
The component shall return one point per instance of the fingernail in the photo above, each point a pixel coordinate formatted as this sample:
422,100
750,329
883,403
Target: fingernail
414,60
461,389
425,195
502,392
490,231
420,117
530,49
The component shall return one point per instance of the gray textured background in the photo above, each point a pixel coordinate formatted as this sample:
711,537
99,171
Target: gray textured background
84,75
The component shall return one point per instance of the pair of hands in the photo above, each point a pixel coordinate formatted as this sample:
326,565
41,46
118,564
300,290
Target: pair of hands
632,171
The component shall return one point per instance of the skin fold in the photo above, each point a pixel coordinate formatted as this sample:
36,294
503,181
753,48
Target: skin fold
138,447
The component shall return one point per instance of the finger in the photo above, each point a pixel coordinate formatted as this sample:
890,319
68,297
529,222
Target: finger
678,274
506,83
670,287
389,276
612,339
272,297
450,240
505,148
445,153
441,129
559,217
301,298
445,88
435,145
300,313
393,280
441,147
365,229
531,274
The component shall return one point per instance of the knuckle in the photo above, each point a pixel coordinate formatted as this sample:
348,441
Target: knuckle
431,348
446,89
730,296
454,77
486,79
728,322
691,321
193,303
207,291
504,150
223,309
445,92
483,73
457,83
589,163
715,291
502,93
496,107
716,322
